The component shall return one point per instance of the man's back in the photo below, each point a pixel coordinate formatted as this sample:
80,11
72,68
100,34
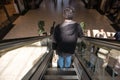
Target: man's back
65,38
66,35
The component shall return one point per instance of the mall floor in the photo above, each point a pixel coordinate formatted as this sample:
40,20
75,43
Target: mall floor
49,11
16,63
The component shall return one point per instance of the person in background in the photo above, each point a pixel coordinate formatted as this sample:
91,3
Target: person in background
101,34
65,38
52,28
110,36
117,35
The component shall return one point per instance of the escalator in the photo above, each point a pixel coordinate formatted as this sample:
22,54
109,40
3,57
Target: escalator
54,73
82,66
88,62
43,70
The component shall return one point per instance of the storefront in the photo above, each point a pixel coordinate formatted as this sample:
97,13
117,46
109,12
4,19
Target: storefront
3,16
9,11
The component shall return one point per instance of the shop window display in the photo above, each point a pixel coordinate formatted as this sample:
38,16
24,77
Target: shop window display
3,16
10,7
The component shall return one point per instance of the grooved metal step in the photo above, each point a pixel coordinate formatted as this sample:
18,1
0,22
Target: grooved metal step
60,77
60,74
58,71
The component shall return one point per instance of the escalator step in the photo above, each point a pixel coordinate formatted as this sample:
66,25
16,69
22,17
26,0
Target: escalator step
69,69
58,71
60,77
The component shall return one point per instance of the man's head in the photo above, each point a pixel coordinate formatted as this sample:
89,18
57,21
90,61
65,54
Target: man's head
68,13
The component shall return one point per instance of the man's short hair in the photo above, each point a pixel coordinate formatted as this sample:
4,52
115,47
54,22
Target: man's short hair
68,12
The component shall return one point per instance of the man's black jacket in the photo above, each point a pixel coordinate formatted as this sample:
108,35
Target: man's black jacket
65,37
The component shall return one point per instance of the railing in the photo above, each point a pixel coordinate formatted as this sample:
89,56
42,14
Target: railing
100,58
18,42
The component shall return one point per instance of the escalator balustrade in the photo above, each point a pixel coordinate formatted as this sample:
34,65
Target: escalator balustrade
100,58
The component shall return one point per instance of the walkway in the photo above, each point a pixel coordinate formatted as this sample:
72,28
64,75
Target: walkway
49,11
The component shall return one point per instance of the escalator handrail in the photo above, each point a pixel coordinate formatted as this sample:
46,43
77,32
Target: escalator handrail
103,42
24,38
9,43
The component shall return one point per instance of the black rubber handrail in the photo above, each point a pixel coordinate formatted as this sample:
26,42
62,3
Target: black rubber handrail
9,43
24,38
104,42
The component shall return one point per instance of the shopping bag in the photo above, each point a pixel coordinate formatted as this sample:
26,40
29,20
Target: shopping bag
54,59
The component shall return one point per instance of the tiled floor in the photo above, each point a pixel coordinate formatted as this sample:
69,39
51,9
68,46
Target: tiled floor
49,11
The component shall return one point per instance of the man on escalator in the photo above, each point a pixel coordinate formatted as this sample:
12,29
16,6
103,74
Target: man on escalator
65,38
